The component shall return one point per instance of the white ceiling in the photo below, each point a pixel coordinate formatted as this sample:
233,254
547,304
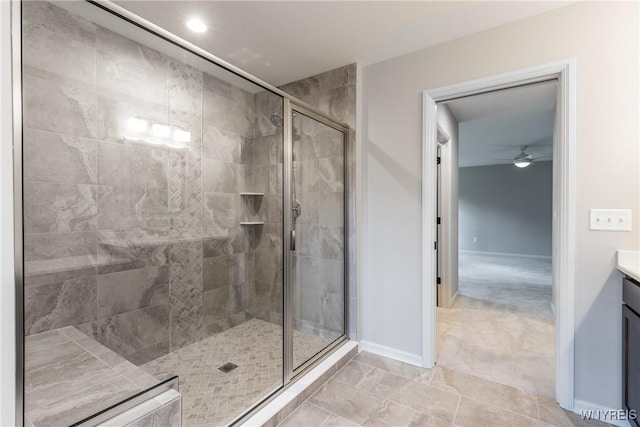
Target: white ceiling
284,41
494,125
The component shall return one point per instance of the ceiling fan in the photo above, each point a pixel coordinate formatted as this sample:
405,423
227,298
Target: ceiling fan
522,160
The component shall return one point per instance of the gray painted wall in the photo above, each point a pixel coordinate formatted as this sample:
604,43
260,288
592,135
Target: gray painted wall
508,209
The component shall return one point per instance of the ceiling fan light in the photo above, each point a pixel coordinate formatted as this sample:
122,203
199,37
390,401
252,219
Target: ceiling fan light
521,163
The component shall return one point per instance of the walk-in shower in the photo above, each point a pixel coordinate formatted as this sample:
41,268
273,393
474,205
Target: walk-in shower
180,219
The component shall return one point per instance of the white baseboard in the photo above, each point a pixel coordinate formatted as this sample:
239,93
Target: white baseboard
391,353
581,405
464,251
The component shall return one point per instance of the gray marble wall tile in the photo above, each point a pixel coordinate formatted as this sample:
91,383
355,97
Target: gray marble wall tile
186,303
44,341
234,115
267,150
308,241
40,360
55,257
321,274
114,109
59,158
267,104
311,207
132,207
185,87
311,86
235,242
58,53
307,176
133,165
314,140
260,306
229,270
61,106
130,250
331,242
331,209
226,323
222,213
147,354
223,302
274,206
225,177
88,385
318,157
331,174
60,21
191,122
332,92
168,415
131,332
321,308
51,207
268,266
224,145
127,67
60,304
185,193
132,290
214,86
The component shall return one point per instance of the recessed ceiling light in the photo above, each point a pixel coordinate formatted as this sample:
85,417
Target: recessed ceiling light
196,25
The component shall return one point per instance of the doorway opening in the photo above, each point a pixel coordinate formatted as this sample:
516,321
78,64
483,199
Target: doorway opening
495,317
563,211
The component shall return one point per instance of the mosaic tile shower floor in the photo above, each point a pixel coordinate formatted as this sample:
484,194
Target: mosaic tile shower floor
211,397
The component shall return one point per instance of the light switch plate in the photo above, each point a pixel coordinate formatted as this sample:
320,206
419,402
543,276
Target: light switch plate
610,219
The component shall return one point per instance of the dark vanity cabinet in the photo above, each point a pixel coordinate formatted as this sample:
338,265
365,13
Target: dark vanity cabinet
631,346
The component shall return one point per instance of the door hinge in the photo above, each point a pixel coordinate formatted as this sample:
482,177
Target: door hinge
435,245
438,220
438,281
438,160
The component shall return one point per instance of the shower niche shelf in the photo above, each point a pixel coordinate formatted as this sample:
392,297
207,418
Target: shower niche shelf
251,223
248,194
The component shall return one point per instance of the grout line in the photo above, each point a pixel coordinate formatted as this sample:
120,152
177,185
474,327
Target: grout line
298,408
398,402
110,367
330,413
459,395
455,414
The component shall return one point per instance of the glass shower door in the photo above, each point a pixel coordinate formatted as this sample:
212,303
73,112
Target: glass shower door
317,234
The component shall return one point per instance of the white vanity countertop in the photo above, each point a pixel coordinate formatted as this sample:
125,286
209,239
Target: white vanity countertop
629,263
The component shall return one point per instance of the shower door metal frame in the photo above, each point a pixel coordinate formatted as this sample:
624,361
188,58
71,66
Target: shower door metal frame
290,104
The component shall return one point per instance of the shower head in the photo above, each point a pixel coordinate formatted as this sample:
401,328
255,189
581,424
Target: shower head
276,120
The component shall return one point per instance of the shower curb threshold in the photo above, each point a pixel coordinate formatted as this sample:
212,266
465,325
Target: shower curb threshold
283,405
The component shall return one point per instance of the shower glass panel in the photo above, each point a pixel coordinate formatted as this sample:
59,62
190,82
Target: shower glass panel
153,222
318,238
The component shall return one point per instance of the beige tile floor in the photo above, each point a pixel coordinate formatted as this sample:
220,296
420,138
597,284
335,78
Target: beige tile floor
375,391
495,362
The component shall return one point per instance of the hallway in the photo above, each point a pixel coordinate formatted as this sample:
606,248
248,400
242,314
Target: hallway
501,326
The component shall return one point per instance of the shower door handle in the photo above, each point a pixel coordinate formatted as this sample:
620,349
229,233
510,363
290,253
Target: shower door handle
292,240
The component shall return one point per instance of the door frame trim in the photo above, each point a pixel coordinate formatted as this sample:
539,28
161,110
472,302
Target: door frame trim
564,72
